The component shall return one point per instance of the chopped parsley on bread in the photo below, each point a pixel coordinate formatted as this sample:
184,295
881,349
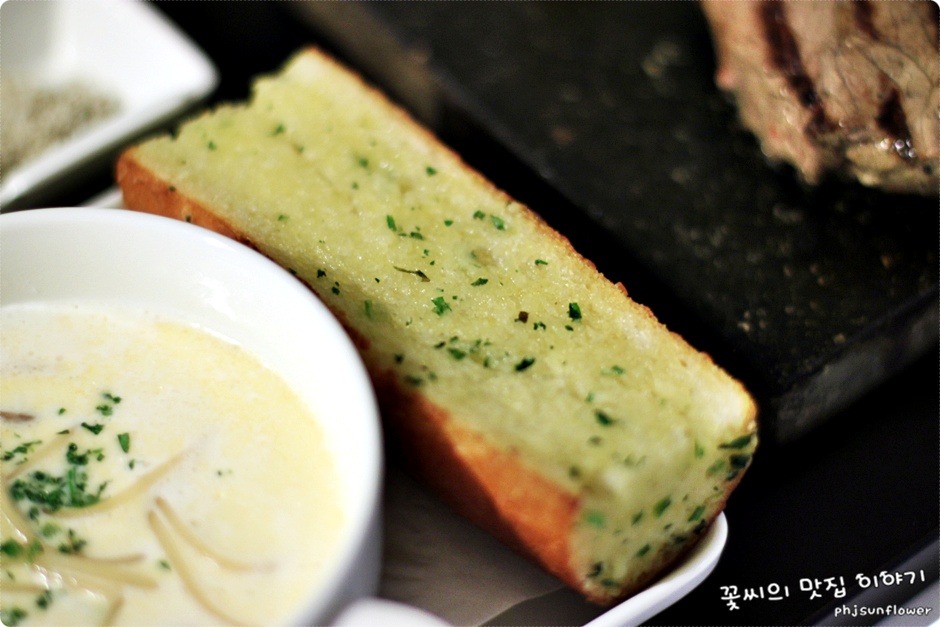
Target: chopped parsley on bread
529,391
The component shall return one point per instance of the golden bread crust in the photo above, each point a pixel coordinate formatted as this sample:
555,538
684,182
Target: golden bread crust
490,487
144,192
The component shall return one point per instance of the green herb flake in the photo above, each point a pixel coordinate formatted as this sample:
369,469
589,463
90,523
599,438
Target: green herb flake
525,364
11,617
448,222
715,468
637,518
416,235
321,274
430,171
363,162
644,550
679,539
699,450
44,600
22,449
96,428
574,311
478,215
211,145
541,262
603,419
104,409
33,550
11,548
413,380
739,462
418,273
282,217
480,281
164,564
440,305
390,221
662,506
61,410
498,222
456,353
124,440
594,519
55,492
697,513
73,545
278,130
613,371
737,443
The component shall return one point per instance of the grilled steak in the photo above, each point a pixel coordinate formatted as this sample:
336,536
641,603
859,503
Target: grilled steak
836,87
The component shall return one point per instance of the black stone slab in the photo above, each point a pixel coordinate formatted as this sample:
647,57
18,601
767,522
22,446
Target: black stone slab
603,116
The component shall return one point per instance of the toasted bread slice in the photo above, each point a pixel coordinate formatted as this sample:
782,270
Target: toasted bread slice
528,390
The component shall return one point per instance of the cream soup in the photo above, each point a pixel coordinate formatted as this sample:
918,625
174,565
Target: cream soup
153,473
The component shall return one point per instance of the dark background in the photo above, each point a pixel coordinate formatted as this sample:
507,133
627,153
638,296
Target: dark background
604,119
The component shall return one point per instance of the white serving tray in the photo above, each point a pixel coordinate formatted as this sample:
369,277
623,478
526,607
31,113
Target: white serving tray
124,48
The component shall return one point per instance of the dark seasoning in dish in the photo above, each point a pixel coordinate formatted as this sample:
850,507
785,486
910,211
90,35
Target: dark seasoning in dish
36,118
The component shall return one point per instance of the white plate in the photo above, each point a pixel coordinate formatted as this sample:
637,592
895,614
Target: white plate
124,48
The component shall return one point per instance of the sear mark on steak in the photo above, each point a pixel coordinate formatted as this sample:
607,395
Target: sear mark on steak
850,89
785,55
863,18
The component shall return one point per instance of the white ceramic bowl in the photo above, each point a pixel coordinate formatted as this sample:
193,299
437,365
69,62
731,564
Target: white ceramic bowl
191,274
124,48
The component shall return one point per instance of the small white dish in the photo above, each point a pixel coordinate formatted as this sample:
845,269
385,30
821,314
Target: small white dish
123,48
186,273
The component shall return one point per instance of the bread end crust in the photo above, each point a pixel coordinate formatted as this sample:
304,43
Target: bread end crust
147,193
